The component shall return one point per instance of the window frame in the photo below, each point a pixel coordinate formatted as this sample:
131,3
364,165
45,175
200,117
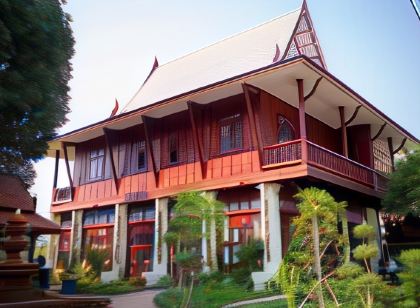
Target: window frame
280,125
95,158
173,140
236,142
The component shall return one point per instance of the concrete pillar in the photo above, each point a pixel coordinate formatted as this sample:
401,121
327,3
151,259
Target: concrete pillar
160,249
119,246
372,220
270,233
204,241
76,236
53,243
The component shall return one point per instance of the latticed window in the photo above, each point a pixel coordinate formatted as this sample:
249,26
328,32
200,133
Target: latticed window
173,148
96,164
285,130
141,156
230,133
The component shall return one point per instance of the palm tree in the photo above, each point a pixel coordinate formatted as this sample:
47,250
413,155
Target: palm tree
313,204
203,206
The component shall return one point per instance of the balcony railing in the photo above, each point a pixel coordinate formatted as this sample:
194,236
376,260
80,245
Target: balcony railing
284,153
335,163
291,153
62,195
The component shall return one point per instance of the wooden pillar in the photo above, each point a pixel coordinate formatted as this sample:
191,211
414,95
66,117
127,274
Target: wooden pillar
302,120
255,136
197,140
57,159
391,152
147,124
345,149
66,160
109,134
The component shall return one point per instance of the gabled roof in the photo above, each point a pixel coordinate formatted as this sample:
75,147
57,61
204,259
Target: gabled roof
243,52
13,194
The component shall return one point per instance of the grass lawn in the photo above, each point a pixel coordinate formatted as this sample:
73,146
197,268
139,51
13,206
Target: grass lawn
211,294
273,304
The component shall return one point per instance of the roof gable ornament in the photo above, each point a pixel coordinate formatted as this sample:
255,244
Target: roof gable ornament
304,40
115,110
277,54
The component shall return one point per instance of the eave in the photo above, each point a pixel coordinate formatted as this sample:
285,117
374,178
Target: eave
277,79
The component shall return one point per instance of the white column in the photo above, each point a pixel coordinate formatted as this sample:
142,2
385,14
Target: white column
76,235
53,243
119,247
160,249
372,220
204,240
273,234
270,233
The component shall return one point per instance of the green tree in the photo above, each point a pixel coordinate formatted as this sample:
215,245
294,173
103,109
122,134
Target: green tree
315,205
36,45
403,194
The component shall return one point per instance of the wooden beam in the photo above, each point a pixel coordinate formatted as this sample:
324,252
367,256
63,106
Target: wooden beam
255,137
66,160
379,132
353,116
345,148
391,152
147,123
302,120
313,89
109,134
57,160
197,140
400,147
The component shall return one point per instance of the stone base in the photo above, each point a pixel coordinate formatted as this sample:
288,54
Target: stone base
260,278
152,278
108,276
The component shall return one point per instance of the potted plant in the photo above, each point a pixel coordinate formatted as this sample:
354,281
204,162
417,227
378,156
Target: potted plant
68,282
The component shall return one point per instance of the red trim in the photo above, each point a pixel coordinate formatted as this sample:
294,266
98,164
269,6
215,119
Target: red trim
242,212
141,221
141,246
96,226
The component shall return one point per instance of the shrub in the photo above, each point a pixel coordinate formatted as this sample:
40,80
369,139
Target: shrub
165,281
170,298
349,270
137,281
411,277
364,231
96,258
250,253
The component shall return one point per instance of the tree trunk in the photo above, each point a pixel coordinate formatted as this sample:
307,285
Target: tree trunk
213,248
345,226
317,259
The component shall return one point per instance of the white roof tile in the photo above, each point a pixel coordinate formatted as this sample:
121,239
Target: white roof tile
241,53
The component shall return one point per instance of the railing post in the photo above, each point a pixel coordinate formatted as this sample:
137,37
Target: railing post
302,120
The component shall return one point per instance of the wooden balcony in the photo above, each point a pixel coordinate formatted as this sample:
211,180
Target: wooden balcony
298,151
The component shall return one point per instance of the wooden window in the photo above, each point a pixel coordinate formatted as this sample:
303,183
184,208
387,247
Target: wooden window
230,133
103,216
141,156
100,239
173,148
285,131
97,158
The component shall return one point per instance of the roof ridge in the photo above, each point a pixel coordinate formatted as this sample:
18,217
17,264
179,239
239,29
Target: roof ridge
230,37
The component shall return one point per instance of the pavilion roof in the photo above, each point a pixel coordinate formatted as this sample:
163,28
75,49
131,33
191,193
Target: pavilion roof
13,195
235,55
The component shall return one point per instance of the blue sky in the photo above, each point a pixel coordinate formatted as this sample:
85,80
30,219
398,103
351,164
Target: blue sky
373,46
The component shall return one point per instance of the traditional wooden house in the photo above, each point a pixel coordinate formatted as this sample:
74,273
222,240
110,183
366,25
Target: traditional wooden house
250,118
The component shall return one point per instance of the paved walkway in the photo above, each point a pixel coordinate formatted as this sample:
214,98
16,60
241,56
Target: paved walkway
143,299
